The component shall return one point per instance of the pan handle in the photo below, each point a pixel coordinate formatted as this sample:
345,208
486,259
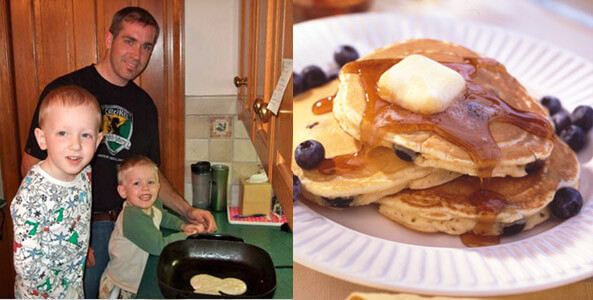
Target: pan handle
215,236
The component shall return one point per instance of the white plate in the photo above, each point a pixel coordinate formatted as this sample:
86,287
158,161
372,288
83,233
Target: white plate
361,246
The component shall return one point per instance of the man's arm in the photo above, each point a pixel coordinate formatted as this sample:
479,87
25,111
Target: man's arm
174,201
27,162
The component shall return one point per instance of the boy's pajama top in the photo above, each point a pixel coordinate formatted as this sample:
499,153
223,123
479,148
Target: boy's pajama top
51,234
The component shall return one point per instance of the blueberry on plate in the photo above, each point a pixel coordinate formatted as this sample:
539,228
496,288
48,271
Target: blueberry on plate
297,84
552,103
575,137
582,116
296,188
313,76
567,203
345,54
309,154
561,121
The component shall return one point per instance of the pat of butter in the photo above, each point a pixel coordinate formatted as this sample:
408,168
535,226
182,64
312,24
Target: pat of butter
420,84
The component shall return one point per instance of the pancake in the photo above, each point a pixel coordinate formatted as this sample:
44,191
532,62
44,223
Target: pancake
502,147
381,172
205,284
233,286
449,207
211,285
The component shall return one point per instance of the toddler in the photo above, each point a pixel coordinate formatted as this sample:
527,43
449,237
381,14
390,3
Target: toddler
137,228
51,211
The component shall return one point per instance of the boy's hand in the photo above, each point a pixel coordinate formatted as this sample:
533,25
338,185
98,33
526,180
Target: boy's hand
200,216
90,257
190,229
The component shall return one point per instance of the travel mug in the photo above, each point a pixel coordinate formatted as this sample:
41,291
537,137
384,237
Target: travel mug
200,179
220,177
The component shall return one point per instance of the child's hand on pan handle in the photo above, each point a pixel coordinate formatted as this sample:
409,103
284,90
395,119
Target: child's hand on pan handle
190,229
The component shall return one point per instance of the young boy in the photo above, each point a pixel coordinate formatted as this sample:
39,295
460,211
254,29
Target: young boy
51,211
137,233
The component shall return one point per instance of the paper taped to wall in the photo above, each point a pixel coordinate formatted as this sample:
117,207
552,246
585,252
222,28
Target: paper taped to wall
278,93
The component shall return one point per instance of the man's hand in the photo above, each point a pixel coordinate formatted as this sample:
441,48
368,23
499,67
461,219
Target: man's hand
90,257
200,216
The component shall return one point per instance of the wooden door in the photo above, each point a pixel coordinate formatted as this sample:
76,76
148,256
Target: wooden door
245,89
266,28
43,40
281,138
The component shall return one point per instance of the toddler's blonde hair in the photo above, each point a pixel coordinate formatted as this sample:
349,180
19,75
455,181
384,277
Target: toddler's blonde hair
132,162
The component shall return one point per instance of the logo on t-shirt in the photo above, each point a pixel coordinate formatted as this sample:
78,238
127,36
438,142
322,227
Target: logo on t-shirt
118,123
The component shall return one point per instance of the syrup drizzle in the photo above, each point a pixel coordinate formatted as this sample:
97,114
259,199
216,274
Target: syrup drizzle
342,164
465,123
323,106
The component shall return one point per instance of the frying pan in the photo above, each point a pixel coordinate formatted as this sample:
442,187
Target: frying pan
218,255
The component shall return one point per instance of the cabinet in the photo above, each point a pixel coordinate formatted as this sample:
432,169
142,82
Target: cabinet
266,39
41,40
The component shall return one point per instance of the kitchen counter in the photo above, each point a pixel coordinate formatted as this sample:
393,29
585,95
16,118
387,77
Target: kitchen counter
270,238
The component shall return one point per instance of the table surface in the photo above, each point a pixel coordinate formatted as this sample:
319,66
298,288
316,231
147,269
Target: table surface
270,238
523,16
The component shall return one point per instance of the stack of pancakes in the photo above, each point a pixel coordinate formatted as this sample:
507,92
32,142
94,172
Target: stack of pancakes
488,165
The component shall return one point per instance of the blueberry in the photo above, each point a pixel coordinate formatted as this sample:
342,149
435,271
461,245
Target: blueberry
552,103
313,76
476,110
333,75
575,137
513,229
561,121
309,154
567,203
582,116
297,84
533,167
296,188
345,54
404,153
340,202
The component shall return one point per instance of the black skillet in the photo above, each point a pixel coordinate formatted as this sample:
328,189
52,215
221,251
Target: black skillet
218,255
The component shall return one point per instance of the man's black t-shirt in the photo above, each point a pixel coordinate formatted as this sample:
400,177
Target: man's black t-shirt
130,125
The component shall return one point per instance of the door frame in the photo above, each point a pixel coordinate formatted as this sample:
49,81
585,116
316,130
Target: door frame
10,148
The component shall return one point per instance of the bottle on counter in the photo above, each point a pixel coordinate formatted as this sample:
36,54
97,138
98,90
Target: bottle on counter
218,192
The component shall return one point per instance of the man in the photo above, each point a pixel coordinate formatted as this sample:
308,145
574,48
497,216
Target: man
130,125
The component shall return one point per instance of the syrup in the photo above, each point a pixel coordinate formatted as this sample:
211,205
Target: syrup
342,164
465,123
487,204
324,105
472,240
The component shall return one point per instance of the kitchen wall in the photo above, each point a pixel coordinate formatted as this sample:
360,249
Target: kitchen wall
212,130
